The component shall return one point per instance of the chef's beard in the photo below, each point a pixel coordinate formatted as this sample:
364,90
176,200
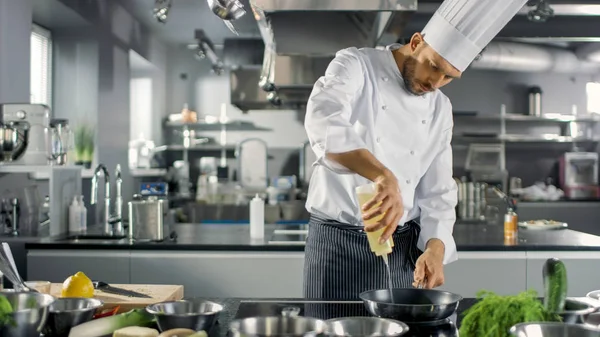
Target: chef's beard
408,74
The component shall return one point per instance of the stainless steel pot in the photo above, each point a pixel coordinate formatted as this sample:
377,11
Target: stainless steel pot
278,326
14,137
147,219
553,330
365,327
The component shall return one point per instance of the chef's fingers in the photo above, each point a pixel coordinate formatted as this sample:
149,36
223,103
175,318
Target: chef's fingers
377,198
391,219
375,211
435,276
419,273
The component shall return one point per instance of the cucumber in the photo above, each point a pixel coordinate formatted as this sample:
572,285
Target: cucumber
555,285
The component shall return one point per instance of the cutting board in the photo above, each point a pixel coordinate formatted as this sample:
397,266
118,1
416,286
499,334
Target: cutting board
159,293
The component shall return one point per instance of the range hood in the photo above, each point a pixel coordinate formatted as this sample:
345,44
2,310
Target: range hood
300,38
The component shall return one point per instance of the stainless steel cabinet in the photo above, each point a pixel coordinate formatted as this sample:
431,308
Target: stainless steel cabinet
583,274
57,265
501,272
222,274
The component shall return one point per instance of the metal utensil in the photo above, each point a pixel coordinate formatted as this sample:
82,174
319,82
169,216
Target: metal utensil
365,327
276,326
66,313
107,288
411,305
187,314
29,316
553,330
9,269
227,9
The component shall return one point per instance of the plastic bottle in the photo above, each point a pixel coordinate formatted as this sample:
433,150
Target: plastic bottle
82,214
365,193
257,218
74,216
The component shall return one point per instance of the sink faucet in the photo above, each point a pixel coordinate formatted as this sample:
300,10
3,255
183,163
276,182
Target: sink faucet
94,197
118,221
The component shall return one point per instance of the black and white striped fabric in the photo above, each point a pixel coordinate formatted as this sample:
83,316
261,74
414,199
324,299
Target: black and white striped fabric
339,265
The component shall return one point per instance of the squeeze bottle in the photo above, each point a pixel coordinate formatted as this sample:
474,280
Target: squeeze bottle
364,193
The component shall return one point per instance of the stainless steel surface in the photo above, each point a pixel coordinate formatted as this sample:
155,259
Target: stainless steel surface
288,326
553,330
37,119
147,219
252,157
8,267
535,101
29,316
14,139
14,202
187,314
365,327
66,313
411,305
101,169
118,225
227,9
577,310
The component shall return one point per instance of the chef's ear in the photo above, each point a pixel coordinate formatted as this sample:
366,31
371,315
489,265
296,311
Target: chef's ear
415,41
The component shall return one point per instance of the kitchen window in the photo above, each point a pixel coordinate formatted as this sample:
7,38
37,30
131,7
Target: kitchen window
41,66
593,97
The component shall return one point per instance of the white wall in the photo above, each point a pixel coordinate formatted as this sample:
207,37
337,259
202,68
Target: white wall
15,37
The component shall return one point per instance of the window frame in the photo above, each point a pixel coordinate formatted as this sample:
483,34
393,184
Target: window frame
47,35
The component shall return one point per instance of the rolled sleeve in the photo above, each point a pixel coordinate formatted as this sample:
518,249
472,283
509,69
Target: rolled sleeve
437,198
329,109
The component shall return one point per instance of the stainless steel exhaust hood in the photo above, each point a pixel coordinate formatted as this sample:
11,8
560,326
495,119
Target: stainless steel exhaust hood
300,39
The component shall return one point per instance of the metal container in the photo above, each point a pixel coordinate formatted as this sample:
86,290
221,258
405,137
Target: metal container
14,139
553,330
577,310
29,316
534,95
146,219
365,326
66,313
278,326
186,314
411,305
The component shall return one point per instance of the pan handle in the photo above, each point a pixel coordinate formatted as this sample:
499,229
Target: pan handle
290,312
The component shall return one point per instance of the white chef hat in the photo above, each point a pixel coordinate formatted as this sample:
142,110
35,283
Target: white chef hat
460,29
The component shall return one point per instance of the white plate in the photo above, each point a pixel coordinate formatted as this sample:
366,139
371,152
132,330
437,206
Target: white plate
542,225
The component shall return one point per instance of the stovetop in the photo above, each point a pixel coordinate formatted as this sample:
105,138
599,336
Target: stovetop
326,310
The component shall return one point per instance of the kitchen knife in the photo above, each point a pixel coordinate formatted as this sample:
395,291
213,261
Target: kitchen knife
107,288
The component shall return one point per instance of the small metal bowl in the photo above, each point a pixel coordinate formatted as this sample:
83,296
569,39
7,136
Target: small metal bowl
29,316
577,310
365,327
553,330
66,313
186,314
277,326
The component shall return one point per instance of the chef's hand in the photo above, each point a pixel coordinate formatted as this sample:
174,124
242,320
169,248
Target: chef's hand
429,269
388,201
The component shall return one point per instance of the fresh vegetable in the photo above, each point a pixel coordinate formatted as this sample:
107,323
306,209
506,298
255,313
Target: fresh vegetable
107,312
493,315
6,310
199,334
555,285
136,331
107,325
84,142
180,333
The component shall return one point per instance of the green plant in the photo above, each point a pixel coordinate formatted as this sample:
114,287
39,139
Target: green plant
84,143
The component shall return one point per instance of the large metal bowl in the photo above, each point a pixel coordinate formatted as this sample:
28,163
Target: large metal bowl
365,327
577,310
29,316
186,314
277,326
553,330
66,313
411,305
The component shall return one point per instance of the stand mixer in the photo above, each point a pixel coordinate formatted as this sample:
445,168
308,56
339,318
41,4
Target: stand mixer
23,129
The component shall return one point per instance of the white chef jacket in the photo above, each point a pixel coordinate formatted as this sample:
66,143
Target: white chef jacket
361,103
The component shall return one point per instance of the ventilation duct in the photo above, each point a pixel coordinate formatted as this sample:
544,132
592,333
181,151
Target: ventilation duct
520,57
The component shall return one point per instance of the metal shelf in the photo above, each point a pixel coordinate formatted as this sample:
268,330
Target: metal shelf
229,126
516,138
211,147
549,118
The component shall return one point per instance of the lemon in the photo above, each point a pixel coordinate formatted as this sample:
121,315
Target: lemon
78,285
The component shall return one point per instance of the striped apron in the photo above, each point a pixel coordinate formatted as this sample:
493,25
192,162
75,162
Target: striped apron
339,265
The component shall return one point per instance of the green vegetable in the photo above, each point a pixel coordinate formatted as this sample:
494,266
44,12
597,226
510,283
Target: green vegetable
107,325
493,315
555,285
6,311
84,143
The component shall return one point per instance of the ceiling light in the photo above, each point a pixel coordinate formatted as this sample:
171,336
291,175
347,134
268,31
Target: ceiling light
161,10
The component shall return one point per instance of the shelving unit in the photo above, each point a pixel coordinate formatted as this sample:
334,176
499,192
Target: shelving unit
228,126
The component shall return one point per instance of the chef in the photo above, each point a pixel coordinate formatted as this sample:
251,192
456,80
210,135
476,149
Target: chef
379,116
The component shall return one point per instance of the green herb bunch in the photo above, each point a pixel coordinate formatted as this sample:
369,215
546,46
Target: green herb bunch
493,315
84,143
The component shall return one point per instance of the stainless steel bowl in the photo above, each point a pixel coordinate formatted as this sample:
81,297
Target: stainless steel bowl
66,313
553,330
29,316
365,327
577,310
186,314
277,326
410,304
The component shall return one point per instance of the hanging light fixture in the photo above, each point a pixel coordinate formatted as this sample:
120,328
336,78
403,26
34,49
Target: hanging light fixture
161,10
